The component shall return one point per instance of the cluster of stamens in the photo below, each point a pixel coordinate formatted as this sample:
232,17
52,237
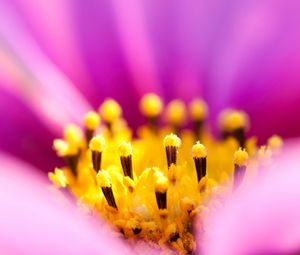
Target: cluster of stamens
151,187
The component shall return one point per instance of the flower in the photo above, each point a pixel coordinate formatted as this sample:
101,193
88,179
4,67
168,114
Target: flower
264,217
51,69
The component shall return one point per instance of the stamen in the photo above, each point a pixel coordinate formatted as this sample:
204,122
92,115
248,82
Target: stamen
175,114
126,199
110,111
240,165
161,187
69,152
172,233
172,143
151,107
58,178
125,151
97,146
234,123
187,205
72,162
73,135
199,156
198,111
275,143
91,122
104,182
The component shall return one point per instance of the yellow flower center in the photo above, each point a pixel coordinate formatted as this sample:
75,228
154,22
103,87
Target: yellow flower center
152,187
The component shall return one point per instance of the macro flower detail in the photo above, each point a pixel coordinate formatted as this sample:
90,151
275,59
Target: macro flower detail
151,186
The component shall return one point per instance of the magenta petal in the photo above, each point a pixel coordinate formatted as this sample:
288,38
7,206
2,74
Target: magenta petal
34,220
264,217
33,77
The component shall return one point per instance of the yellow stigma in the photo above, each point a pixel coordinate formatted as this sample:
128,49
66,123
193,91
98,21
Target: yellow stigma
58,178
275,142
172,141
161,184
241,157
110,110
198,109
176,112
97,143
103,179
125,149
91,120
151,105
199,150
231,120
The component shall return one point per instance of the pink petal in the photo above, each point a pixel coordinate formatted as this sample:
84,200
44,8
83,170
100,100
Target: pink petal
35,220
33,77
264,217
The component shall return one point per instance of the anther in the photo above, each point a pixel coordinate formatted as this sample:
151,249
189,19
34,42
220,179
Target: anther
69,152
240,165
175,114
161,187
171,143
151,107
199,155
234,123
110,111
97,146
198,111
91,122
125,151
103,180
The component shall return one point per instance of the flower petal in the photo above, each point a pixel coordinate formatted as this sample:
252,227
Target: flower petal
41,84
264,217
35,220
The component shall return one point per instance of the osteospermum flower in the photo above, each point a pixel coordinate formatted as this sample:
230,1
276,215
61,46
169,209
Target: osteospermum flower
151,187
52,60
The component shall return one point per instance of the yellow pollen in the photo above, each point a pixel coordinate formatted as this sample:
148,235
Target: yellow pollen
103,179
198,109
176,112
91,120
125,149
199,150
97,143
151,105
172,140
110,110
161,184
275,142
241,157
